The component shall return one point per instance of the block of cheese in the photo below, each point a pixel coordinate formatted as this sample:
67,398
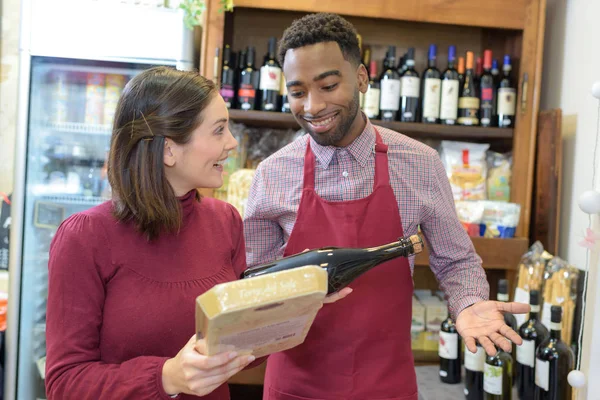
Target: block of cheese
261,315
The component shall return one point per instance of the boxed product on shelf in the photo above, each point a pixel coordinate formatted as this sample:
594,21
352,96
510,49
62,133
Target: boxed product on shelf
436,311
466,167
417,326
499,176
261,315
491,219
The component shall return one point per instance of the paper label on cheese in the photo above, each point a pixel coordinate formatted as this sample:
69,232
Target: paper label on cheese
266,335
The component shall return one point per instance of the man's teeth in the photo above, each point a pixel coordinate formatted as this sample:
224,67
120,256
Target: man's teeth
324,122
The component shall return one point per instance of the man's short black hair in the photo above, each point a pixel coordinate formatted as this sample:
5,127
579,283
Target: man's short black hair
319,28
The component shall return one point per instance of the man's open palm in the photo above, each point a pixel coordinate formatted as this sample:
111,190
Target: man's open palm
484,322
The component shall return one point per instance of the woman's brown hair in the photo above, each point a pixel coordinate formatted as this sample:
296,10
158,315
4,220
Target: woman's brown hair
156,104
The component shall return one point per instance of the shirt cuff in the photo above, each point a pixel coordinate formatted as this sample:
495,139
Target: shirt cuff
159,385
463,303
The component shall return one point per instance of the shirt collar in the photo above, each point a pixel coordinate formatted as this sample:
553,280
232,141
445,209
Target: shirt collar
361,148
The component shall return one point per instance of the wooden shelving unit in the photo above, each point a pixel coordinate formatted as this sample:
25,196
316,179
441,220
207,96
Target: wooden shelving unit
514,27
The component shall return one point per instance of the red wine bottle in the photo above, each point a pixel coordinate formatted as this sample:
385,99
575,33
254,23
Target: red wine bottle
507,97
509,319
474,364
487,105
270,79
409,89
371,104
553,362
227,89
390,87
430,108
248,84
498,376
533,333
343,265
450,90
468,102
449,352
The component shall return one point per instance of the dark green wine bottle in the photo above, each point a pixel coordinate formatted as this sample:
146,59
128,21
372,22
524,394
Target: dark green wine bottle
498,376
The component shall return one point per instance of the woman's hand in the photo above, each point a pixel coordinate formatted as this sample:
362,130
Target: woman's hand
191,372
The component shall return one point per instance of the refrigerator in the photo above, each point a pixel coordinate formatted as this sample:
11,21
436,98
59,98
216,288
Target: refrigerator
76,56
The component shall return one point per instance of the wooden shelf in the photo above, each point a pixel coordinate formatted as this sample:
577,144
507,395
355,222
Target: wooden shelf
503,254
416,130
423,357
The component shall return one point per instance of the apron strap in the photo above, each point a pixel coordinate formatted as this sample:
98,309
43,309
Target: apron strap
309,167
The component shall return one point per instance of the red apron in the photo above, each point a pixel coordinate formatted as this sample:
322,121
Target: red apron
359,347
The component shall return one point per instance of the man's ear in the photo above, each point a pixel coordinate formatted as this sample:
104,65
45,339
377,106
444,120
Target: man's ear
168,155
363,78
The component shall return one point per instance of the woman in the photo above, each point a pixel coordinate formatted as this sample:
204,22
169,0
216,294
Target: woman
123,276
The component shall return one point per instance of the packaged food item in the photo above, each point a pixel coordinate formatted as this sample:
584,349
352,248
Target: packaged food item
499,176
470,214
500,219
94,99
239,189
261,315
530,275
560,289
466,167
112,92
417,326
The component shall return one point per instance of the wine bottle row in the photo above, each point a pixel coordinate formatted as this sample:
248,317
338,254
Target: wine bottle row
456,96
246,88
538,368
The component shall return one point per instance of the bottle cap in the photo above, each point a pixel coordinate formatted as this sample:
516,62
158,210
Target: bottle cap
556,314
451,53
534,298
432,51
503,286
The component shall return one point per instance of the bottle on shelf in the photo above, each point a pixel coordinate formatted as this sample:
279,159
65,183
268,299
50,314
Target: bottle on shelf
247,88
270,79
498,376
553,362
533,333
507,97
495,72
468,102
450,90
478,70
431,91
461,72
409,89
449,351
402,64
509,319
474,364
373,94
227,89
487,106
343,265
390,87
285,101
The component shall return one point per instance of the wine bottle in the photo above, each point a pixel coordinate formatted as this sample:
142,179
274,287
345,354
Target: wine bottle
478,71
371,103
283,92
498,376
270,79
461,73
495,72
553,362
450,91
474,364
468,102
431,89
227,89
449,351
343,265
247,88
409,89
533,333
509,319
390,87
507,97
487,108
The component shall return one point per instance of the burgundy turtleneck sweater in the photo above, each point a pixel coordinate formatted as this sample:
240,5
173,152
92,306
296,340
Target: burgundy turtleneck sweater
120,306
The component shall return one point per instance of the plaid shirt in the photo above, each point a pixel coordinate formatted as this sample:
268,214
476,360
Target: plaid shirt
420,185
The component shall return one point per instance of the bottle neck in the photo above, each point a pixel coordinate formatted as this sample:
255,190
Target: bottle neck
535,311
502,297
451,64
431,63
555,329
402,248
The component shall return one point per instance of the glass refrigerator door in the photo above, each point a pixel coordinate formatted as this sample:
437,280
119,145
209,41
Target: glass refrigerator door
72,104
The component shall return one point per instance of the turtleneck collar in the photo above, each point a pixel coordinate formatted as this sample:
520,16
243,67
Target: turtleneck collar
187,202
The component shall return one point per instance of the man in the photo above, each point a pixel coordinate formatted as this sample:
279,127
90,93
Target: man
348,183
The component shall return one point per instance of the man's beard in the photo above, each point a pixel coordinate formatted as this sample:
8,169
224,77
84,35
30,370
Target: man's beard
334,137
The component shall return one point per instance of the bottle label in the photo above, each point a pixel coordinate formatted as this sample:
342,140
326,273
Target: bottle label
410,86
448,345
390,94
270,78
507,101
228,94
526,353
475,362
468,108
542,374
492,379
431,99
521,296
449,102
247,91
371,104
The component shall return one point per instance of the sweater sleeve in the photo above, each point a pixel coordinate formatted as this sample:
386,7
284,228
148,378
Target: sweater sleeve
239,244
77,277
